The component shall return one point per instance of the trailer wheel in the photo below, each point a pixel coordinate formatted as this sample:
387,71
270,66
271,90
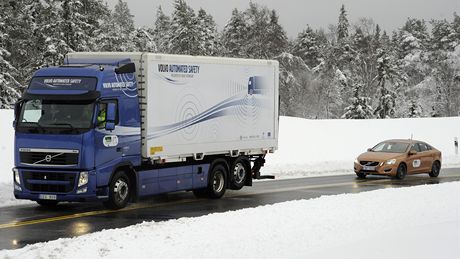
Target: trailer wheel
119,191
239,173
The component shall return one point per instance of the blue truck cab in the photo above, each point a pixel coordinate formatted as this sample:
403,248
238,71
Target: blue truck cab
78,138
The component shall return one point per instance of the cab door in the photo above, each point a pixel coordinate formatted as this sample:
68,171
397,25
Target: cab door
106,141
414,162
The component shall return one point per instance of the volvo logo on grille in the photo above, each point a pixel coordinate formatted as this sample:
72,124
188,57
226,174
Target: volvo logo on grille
48,158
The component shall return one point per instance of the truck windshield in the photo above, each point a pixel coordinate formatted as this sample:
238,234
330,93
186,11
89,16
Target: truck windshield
43,115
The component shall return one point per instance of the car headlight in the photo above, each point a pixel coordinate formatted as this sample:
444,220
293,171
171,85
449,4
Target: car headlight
356,161
83,179
17,179
390,162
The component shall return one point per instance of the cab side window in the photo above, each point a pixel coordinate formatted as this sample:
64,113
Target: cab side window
102,113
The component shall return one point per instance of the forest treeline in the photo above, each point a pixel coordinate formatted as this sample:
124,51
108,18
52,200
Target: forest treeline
346,70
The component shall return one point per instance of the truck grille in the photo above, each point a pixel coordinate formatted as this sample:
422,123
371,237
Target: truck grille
49,182
50,157
369,163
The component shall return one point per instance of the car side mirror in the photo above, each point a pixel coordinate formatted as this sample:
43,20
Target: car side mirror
412,152
111,116
369,150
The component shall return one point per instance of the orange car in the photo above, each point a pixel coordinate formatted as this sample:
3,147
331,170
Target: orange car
398,158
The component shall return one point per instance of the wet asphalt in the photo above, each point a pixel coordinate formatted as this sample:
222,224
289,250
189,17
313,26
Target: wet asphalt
23,225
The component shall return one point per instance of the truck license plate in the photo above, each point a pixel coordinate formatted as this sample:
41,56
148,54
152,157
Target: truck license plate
369,168
47,197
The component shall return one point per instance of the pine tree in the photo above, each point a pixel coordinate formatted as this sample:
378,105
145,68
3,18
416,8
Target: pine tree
359,107
183,38
414,109
207,32
161,31
343,25
235,35
387,97
276,38
291,69
307,46
8,84
144,41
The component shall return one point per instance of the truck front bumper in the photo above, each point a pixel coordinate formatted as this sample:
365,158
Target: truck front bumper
57,185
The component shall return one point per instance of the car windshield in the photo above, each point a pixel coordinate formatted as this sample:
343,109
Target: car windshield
391,147
45,114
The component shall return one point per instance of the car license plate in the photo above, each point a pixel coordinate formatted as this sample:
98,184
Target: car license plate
47,197
369,168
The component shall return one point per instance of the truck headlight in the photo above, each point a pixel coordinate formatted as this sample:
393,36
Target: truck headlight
390,162
83,179
17,179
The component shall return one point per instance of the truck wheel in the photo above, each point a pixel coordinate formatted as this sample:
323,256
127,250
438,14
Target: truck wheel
435,169
119,191
218,182
401,172
239,172
48,204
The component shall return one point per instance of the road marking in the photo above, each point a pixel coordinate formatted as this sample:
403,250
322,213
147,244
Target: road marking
184,201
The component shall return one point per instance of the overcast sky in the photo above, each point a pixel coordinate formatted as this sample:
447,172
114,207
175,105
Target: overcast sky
296,14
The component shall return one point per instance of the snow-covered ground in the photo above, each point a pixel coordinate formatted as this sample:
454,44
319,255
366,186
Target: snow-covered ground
306,147
417,222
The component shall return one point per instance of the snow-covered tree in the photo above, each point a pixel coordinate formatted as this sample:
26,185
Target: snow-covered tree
343,25
276,38
359,107
8,84
144,40
207,33
291,69
235,35
184,36
385,79
307,46
161,31
414,109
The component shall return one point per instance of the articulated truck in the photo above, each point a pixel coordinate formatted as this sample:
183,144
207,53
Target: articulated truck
114,127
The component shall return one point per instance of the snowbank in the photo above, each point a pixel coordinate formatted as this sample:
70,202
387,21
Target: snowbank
322,147
417,222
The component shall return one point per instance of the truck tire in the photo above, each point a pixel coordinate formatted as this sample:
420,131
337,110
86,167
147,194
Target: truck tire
119,191
217,184
239,172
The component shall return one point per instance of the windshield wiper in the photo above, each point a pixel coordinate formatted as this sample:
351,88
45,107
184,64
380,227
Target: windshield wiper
64,124
36,123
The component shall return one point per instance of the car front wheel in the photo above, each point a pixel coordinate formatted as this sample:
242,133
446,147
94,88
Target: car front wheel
401,172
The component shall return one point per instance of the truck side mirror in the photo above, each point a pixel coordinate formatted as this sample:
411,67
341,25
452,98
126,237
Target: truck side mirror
111,116
126,69
17,111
